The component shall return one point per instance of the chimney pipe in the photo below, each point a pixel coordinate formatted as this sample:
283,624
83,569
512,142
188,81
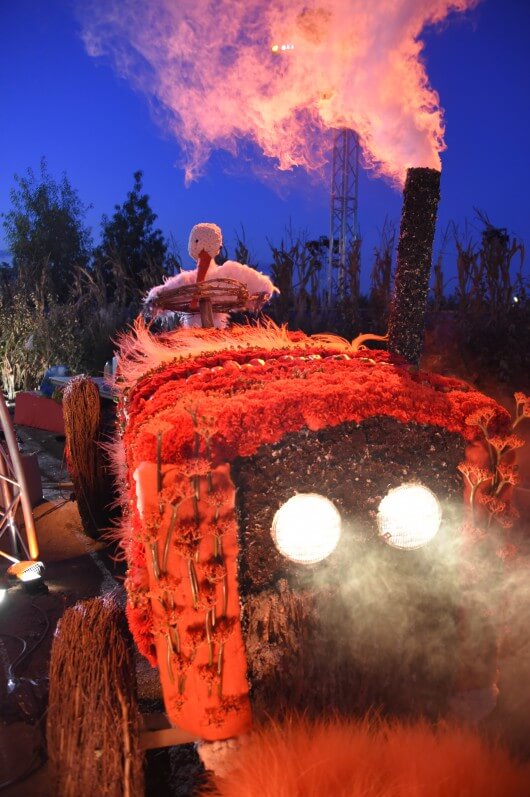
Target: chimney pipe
418,220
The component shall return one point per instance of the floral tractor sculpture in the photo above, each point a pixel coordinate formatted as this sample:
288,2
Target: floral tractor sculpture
311,529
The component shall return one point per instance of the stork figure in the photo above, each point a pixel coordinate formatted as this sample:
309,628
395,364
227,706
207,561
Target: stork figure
204,245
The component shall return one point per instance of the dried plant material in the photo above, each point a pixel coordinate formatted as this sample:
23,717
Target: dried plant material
369,758
92,723
85,458
225,295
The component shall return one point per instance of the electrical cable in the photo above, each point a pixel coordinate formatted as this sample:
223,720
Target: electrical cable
28,651
12,665
38,757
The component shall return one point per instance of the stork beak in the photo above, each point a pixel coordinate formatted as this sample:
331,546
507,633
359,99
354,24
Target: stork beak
203,265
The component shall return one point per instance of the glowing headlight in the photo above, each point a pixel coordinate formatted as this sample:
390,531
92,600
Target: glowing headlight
306,529
409,516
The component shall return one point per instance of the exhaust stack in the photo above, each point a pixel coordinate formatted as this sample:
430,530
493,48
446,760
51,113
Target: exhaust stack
418,221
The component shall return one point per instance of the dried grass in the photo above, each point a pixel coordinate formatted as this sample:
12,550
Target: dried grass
82,422
92,724
368,758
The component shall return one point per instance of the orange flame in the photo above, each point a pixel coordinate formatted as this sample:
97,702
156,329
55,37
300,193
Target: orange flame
209,66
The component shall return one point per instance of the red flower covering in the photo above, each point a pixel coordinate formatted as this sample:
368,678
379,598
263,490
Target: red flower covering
193,401
248,408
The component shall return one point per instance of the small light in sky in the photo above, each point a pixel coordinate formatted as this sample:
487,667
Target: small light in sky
281,48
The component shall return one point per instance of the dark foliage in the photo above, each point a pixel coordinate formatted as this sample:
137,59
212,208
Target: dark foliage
46,234
132,254
61,302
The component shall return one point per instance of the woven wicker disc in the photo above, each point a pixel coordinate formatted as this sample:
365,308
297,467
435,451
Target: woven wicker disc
225,296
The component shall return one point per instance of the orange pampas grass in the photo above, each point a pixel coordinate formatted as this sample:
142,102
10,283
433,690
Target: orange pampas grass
371,758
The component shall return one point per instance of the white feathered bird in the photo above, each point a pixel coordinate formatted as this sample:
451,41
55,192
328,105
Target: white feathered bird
204,245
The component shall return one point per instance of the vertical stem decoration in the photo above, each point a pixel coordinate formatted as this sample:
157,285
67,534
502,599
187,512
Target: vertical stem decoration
169,645
224,587
193,583
169,534
216,539
159,463
154,558
220,670
418,220
196,498
218,553
472,501
209,638
175,639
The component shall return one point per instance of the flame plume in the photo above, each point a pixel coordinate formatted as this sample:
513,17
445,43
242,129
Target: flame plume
210,69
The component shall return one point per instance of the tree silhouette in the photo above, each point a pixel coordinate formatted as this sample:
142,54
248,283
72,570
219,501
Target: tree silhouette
46,234
132,253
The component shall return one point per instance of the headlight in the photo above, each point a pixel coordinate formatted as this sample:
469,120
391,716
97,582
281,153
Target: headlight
409,516
306,529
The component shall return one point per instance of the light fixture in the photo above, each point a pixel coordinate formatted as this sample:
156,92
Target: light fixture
409,516
306,528
25,569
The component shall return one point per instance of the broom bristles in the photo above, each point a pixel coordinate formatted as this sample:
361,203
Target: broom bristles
85,460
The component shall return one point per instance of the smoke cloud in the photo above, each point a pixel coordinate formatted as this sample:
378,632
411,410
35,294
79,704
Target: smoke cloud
209,70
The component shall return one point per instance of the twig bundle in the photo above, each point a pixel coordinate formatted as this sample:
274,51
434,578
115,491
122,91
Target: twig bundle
225,295
82,422
92,724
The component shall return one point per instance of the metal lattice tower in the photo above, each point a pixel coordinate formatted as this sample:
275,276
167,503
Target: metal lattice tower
344,221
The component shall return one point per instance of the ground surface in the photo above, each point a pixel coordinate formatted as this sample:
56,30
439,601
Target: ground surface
77,568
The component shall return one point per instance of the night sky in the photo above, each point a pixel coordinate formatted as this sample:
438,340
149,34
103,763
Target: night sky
57,102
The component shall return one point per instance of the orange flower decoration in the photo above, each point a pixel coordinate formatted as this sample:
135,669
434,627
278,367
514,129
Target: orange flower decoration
481,417
138,598
472,534
187,540
473,473
507,553
504,444
207,596
195,635
223,629
217,715
180,663
208,672
522,408
508,474
212,570
499,510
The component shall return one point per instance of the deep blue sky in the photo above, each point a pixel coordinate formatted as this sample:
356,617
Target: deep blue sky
58,102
